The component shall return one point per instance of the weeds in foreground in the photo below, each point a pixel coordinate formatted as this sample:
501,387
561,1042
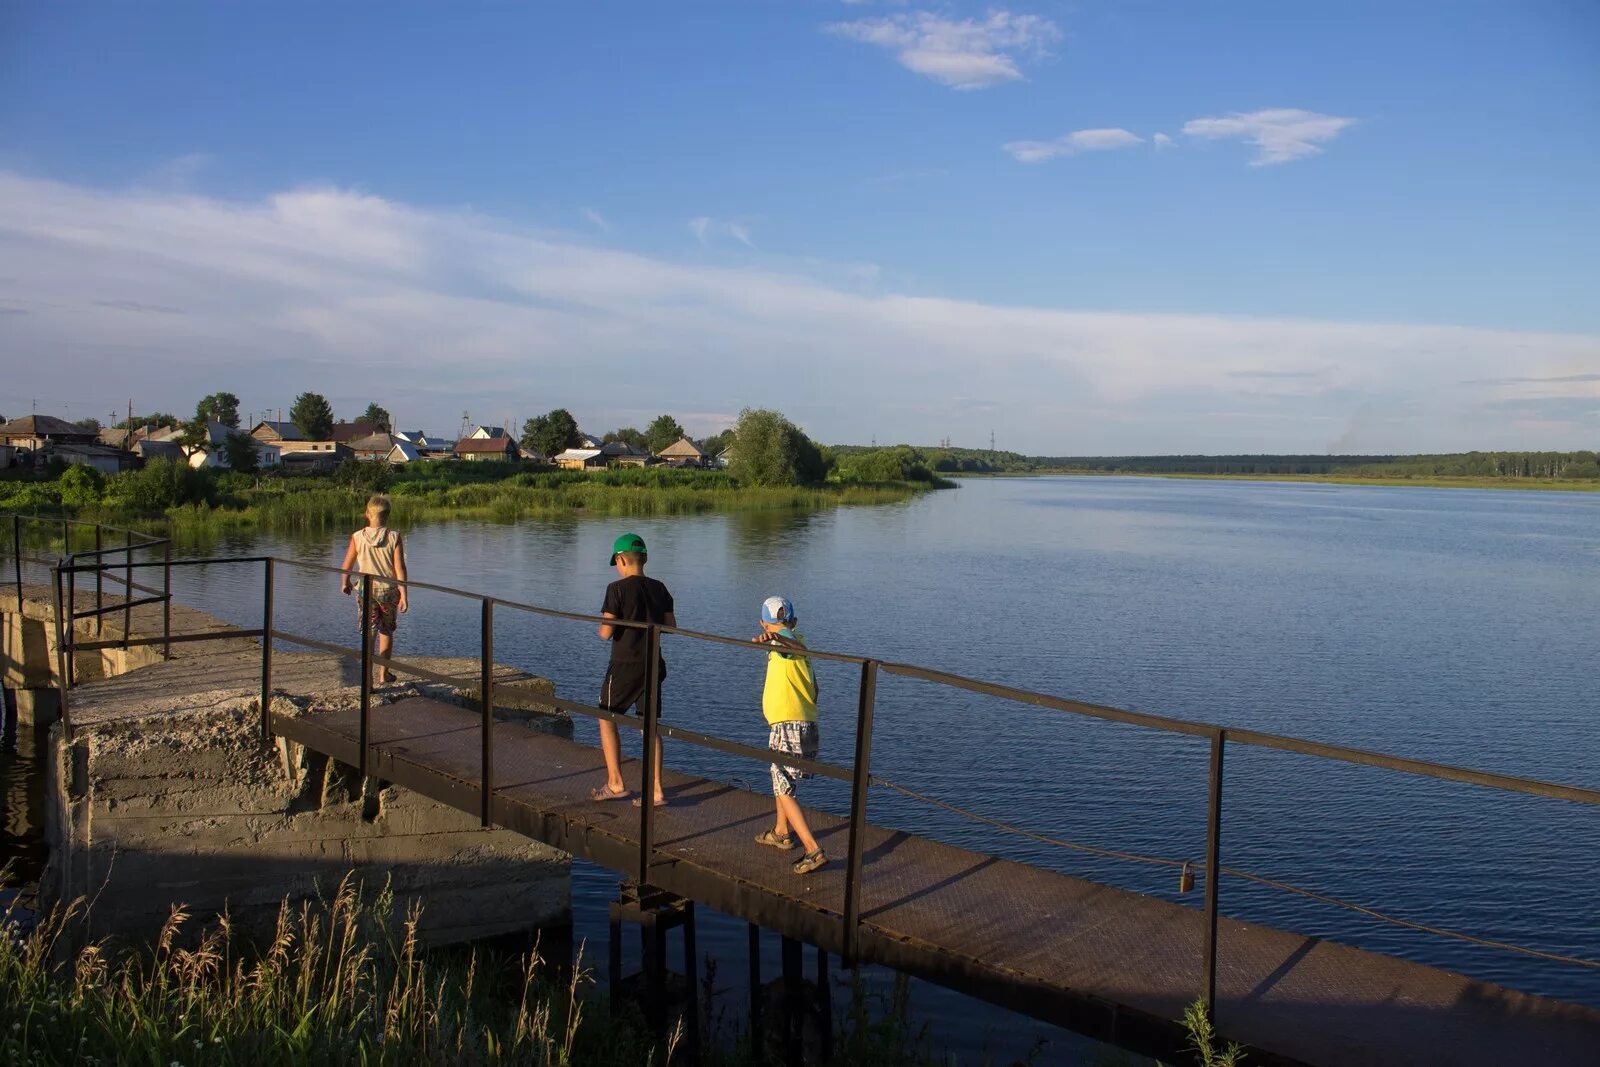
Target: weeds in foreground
1203,1039
332,987
339,984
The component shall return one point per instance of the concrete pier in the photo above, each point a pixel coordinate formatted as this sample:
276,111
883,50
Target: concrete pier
166,793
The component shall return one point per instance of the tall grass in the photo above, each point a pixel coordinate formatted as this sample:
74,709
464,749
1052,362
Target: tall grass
332,987
339,983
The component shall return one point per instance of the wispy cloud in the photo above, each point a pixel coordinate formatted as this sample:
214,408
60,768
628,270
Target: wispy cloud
1280,135
1161,140
1071,144
595,219
960,53
321,289
704,228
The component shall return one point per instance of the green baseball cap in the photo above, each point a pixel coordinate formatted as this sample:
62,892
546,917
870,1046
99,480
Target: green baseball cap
628,542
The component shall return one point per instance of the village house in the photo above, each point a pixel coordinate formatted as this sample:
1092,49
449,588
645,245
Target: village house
622,454
289,440
684,453
480,449
403,452
578,459
375,446
345,432
33,432
103,458
315,461
486,433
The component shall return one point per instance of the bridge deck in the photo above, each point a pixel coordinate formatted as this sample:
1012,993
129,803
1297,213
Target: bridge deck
1103,961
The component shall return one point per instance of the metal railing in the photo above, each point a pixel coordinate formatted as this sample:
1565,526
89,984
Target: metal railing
65,610
858,773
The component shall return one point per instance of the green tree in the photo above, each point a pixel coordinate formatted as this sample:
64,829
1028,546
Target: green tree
161,484
663,431
219,407
90,424
81,485
377,418
241,452
628,435
313,415
717,443
551,433
768,449
160,418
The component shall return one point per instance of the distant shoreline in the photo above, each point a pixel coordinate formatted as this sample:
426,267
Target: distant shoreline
1435,482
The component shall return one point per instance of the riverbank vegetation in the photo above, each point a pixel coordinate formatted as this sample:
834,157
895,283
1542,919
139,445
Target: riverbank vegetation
1520,470
341,984
775,468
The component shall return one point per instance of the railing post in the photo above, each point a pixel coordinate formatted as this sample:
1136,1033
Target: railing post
63,657
70,620
1213,871
166,604
861,779
16,541
486,698
366,675
99,580
127,590
652,712
266,641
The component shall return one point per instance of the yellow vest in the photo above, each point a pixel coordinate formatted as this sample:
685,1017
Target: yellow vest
790,694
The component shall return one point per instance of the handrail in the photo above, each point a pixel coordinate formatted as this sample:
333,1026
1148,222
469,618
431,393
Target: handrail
858,773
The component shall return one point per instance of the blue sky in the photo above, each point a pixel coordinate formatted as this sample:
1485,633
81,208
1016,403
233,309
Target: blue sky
1091,227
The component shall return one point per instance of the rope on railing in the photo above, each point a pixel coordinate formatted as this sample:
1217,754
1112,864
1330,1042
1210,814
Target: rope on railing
1232,872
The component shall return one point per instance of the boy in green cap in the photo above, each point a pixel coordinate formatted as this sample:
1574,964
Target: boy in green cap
789,702
635,598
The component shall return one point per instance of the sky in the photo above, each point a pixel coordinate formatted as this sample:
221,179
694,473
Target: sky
1097,227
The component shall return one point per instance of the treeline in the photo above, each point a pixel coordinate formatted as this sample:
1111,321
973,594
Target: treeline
1550,466
1263,464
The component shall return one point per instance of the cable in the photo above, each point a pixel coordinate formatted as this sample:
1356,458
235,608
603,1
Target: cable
1233,872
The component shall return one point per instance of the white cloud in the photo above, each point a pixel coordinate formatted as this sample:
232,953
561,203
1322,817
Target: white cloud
1282,134
704,228
963,54
1071,144
1161,140
595,219
441,311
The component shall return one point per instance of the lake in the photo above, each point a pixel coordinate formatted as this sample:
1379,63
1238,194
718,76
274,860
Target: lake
1449,625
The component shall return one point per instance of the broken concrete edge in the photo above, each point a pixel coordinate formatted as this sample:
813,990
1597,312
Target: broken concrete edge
148,813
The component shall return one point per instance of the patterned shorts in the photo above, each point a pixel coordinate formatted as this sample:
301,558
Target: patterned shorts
794,739
385,608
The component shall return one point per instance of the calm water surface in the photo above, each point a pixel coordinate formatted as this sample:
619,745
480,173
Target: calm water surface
1449,625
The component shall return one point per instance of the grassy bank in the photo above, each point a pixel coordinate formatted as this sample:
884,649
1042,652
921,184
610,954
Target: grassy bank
334,987
171,498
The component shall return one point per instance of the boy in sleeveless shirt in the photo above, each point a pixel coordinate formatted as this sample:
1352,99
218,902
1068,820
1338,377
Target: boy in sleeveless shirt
375,554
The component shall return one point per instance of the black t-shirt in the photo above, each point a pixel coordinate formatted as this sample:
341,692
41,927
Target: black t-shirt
638,598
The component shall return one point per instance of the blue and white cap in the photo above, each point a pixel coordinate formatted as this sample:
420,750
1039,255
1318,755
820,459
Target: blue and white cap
777,611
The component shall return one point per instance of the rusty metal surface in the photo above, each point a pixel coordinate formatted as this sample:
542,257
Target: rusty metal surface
1106,961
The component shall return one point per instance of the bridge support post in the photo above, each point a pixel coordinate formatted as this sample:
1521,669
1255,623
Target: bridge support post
793,1002
824,1006
266,640
656,913
758,1036
1213,869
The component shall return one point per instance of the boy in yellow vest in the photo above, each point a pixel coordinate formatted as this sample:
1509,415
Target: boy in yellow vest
789,702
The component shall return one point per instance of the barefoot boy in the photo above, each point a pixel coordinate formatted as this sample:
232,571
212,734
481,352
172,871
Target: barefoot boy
377,553
637,598
789,702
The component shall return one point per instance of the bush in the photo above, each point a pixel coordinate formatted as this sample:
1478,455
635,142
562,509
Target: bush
162,484
81,486
368,475
32,497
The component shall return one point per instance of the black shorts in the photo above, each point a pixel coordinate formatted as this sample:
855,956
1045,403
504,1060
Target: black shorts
623,688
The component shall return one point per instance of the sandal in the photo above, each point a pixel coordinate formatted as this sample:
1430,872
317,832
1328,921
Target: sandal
604,793
810,862
767,837
659,804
